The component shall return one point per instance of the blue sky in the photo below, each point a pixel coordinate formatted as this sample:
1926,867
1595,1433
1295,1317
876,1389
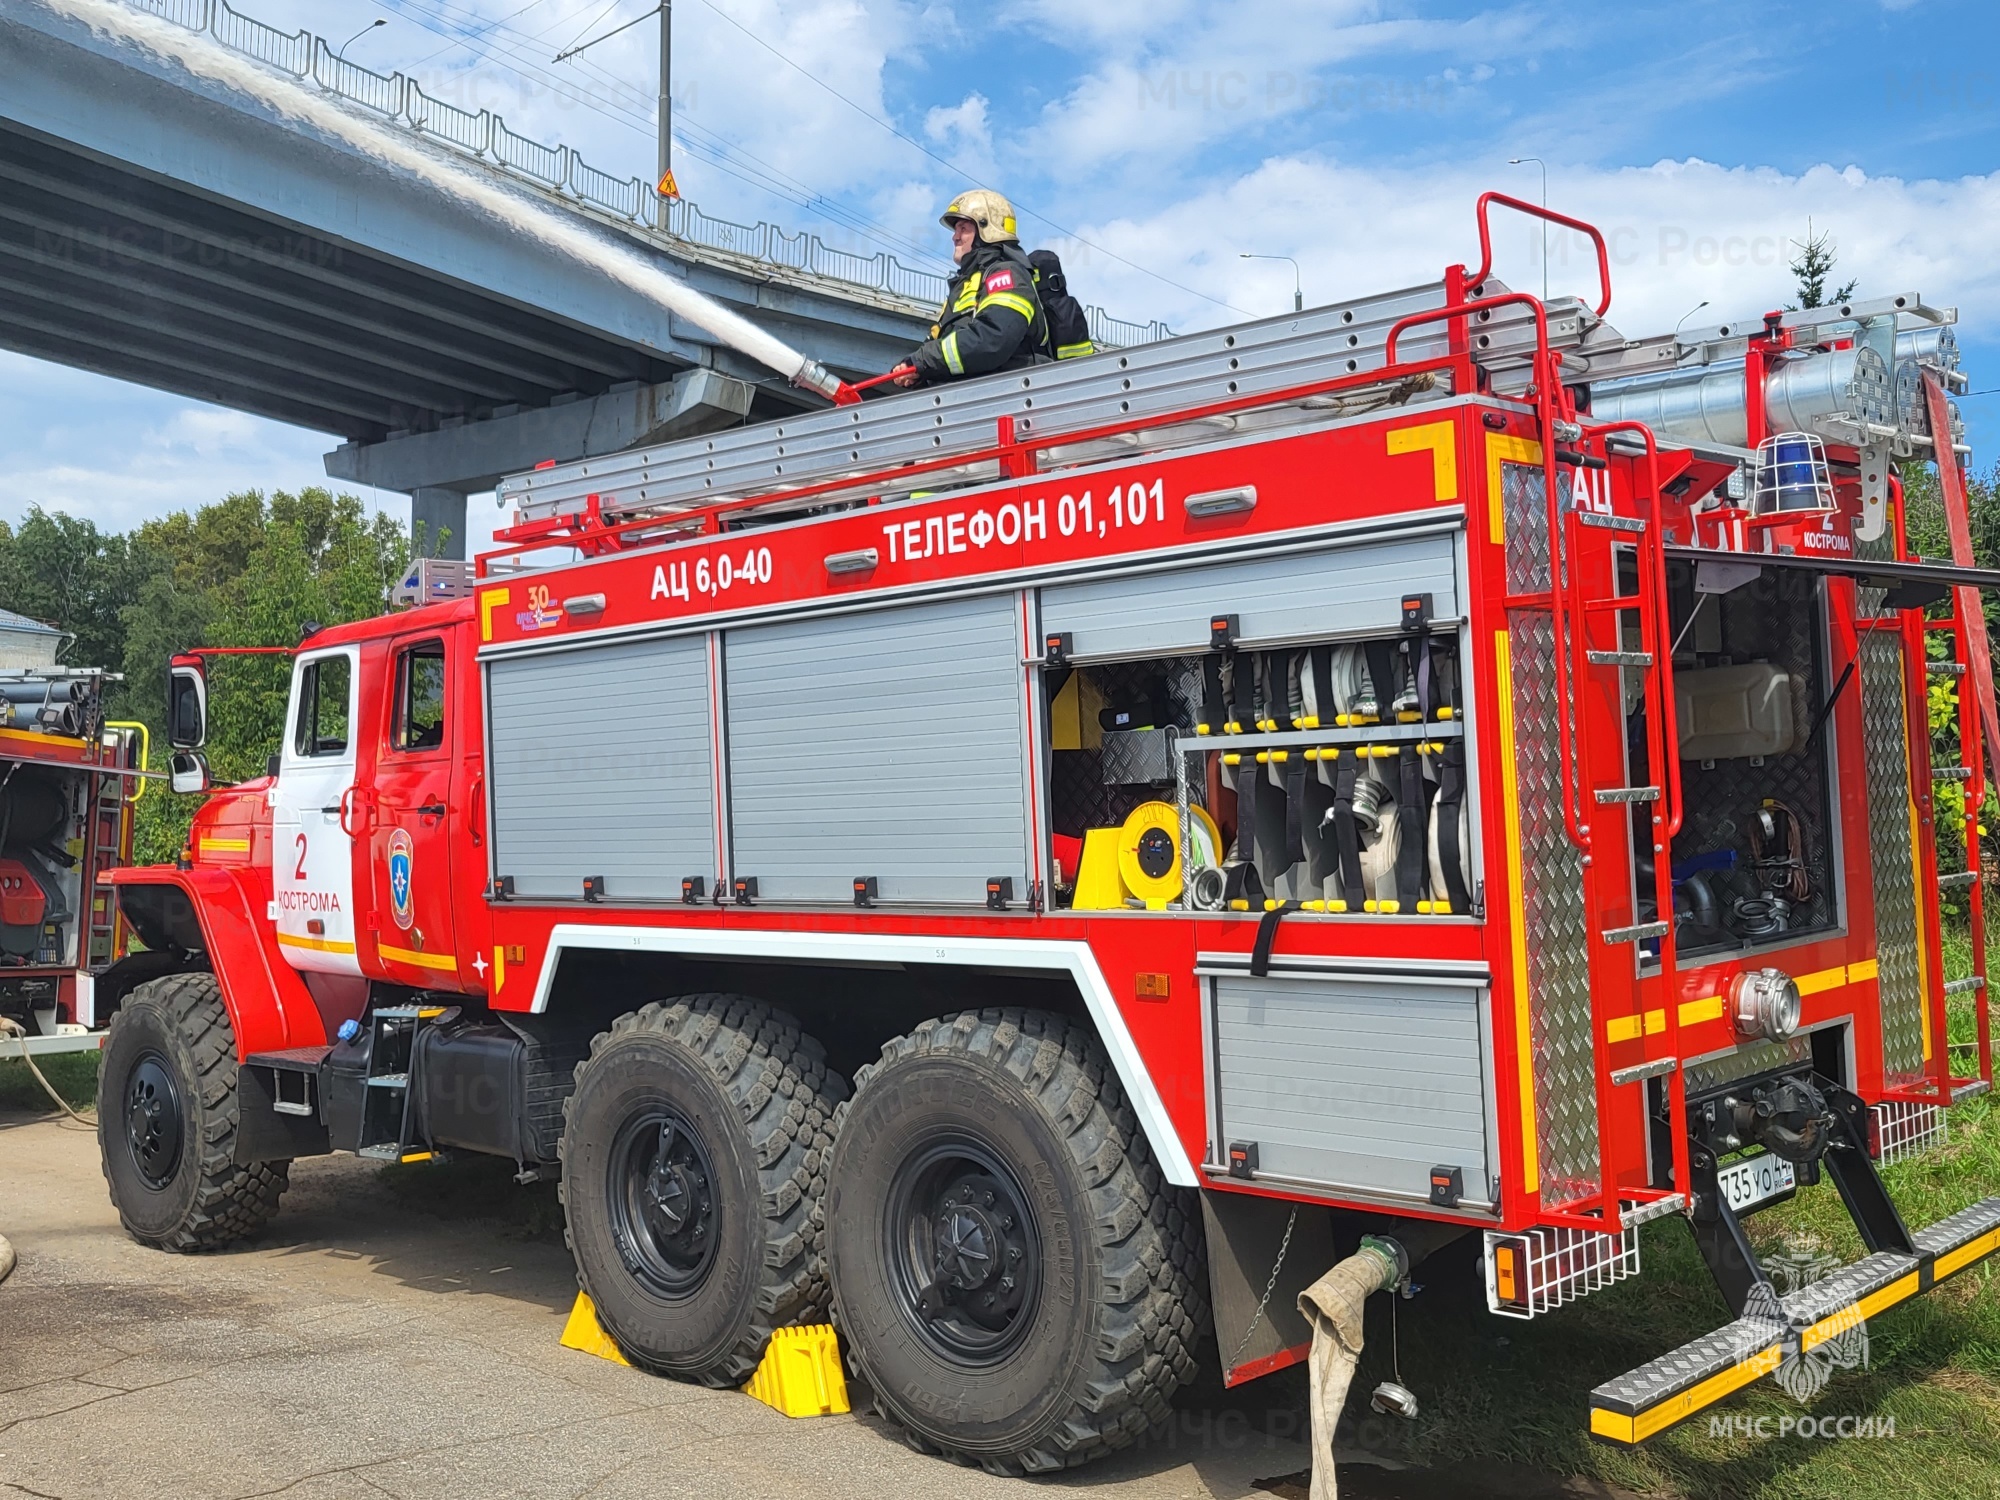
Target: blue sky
1155,140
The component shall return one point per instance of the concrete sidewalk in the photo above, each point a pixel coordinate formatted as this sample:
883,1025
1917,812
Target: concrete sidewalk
366,1347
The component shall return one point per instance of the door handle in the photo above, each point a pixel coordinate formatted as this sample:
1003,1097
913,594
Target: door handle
357,811
331,812
432,809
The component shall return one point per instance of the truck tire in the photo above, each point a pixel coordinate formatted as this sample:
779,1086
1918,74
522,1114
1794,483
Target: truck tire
994,1153
694,1155
166,1121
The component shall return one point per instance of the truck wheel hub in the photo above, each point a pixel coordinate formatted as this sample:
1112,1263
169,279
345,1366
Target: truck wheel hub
663,1204
968,1252
966,1240
153,1121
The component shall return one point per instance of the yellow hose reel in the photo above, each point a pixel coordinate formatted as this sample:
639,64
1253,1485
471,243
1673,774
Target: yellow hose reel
1139,862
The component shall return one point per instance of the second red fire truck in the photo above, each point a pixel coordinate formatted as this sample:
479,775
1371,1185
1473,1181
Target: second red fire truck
1028,869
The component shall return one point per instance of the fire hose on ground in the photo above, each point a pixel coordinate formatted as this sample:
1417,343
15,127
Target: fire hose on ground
1332,1308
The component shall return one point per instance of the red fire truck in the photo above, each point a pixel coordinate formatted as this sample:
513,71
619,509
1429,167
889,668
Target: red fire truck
68,782
1028,868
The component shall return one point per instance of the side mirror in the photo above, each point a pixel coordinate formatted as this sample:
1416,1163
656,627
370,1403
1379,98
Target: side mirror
187,705
188,771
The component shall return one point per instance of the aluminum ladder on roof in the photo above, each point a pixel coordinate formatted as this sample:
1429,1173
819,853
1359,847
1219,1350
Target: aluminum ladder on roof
1164,378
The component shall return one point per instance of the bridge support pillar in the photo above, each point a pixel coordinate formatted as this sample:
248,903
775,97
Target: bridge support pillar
437,522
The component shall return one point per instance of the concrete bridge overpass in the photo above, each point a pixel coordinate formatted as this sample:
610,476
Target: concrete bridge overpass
165,219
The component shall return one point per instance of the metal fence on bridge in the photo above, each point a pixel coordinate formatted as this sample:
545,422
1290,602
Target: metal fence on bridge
560,172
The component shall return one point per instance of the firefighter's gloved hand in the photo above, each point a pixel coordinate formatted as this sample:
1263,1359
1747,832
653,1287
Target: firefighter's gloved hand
906,373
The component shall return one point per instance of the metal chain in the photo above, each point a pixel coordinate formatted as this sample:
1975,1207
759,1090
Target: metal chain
1269,1287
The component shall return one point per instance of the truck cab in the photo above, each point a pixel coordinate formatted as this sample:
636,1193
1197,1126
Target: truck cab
363,835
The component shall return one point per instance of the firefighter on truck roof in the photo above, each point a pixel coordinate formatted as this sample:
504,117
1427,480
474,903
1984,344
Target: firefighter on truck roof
992,317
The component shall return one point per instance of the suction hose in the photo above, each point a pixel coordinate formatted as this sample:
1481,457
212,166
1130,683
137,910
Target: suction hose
1332,1308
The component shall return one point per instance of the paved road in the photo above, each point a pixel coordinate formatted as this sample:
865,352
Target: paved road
367,1346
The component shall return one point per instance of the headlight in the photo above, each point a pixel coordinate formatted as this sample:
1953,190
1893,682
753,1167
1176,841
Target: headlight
1765,1004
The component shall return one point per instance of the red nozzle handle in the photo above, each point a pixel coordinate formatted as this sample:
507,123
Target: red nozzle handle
849,394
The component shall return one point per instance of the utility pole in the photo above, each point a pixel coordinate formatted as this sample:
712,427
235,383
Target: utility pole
664,184
1298,281
667,187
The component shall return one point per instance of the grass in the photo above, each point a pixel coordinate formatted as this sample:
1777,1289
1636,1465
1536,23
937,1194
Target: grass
73,1074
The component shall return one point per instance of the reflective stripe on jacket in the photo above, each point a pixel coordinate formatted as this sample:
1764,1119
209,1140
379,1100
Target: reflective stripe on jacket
992,319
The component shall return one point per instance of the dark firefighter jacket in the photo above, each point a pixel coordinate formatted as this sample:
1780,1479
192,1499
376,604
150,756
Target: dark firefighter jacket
991,320
1069,328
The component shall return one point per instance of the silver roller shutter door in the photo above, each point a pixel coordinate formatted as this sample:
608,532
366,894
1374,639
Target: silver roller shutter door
602,766
1352,1082
1296,596
887,743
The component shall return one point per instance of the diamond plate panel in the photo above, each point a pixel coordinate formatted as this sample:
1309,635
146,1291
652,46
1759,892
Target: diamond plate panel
1729,1346
1960,1228
1557,938
1526,512
1136,757
1749,1059
1886,747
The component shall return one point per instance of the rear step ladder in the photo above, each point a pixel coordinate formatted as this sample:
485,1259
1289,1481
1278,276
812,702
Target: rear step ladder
1773,1329
1978,739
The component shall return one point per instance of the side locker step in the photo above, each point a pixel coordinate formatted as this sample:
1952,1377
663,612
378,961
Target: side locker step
279,1103
388,1105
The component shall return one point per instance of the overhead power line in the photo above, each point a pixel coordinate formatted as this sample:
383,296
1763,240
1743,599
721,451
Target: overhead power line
442,19
575,47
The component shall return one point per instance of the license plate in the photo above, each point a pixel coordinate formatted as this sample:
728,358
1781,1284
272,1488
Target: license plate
1745,1184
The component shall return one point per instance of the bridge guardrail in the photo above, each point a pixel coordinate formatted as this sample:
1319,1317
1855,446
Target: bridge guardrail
562,173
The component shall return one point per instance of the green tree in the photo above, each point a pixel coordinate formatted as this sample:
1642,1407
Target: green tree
1817,255
244,571
65,571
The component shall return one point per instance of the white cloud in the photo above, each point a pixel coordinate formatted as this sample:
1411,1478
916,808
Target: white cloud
965,120
1679,232
963,132
1244,71
118,454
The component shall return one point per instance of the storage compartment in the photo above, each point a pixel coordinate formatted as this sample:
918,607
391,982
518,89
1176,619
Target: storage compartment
888,744
1754,863
1372,818
1354,1081
1317,641
601,768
